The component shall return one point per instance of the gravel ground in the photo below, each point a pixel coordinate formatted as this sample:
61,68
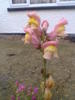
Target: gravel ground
22,62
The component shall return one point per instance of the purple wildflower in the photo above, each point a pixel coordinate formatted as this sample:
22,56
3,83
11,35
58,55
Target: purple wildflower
33,97
12,97
35,90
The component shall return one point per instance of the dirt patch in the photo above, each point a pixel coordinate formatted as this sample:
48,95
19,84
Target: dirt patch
22,62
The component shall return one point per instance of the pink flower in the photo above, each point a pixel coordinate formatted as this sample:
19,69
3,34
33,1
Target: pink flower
37,31
28,35
60,27
28,29
52,35
50,49
45,25
21,88
35,41
63,21
46,44
33,15
33,36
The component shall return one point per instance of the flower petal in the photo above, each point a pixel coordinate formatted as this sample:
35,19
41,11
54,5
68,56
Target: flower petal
27,38
63,21
35,41
52,35
48,43
45,25
47,55
35,16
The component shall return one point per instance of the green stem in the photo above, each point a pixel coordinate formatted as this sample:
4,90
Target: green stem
44,62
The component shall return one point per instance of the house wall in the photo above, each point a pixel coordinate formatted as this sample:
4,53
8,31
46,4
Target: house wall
14,22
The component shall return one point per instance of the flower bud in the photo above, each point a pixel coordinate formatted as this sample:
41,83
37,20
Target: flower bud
45,25
50,82
47,95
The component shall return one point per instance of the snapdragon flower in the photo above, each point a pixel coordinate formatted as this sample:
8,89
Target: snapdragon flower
33,31
32,37
50,49
60,27
47,43
34,19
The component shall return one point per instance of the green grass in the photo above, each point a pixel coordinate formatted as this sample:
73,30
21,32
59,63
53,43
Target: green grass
22,62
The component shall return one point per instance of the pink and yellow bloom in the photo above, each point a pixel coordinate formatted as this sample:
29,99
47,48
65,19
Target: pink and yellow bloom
28,33
34,19
32,36
50,49
60,27
27,38
36,35
35,41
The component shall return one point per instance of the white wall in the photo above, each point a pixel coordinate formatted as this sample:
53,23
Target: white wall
13,22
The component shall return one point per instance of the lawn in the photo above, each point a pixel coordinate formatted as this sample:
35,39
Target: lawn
23,63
